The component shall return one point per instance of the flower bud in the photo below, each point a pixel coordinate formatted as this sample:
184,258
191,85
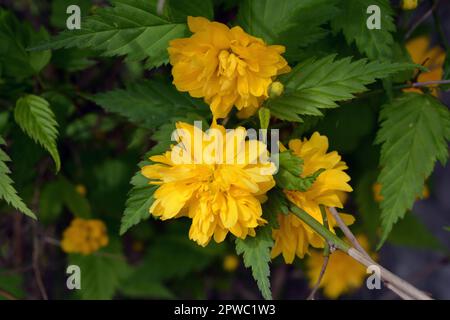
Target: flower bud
276,89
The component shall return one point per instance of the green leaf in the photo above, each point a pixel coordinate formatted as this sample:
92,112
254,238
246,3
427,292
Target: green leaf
75,202
149,103
292,23
180,10
34,116
57,194
131,28
318,84
7,191
264,117
15,37
276,204
411,232
414,132
59,15
447,228
139,201
367,206
11,282
101,273
374,43
256,253
289,173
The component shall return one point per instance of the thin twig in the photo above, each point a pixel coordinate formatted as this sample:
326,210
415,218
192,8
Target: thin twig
421,20
348,234
399,284
160,7
326,256
5,294
36,264
439,30
429,83
351,237
319,280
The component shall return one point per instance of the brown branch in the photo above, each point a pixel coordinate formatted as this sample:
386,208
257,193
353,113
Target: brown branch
326,256
319,280
421,20
400,291
8,296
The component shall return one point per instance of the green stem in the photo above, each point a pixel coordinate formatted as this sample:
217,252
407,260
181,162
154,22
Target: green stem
326,249
320,229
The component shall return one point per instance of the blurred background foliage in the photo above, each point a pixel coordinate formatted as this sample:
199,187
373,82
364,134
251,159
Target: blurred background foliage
105,124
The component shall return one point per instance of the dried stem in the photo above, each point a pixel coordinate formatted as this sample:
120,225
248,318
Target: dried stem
326,256
5,294
398,285
421,20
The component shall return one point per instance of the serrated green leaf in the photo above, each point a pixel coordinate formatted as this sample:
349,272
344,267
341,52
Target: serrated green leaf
374,43
276,204
130,28
34,116
256,253
7,191
59,193
292,23
15,37
149,103
413,233
178,11
415,129
318,84
101,273
289,173
58,17
139,201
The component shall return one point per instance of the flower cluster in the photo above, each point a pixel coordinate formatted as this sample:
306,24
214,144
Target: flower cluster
218,197
84,236
293,237
227,67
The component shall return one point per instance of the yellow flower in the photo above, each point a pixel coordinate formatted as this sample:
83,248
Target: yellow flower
81,189
219,196
84,236
227,67
376,188
409,4
230,263
432,58
343,273
293,236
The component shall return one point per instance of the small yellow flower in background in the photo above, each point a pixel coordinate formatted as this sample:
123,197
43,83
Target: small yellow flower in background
409,4
81,189
433,58
218,196
230,262
84,236
343,273
376,188
227,67
378,197
293,236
